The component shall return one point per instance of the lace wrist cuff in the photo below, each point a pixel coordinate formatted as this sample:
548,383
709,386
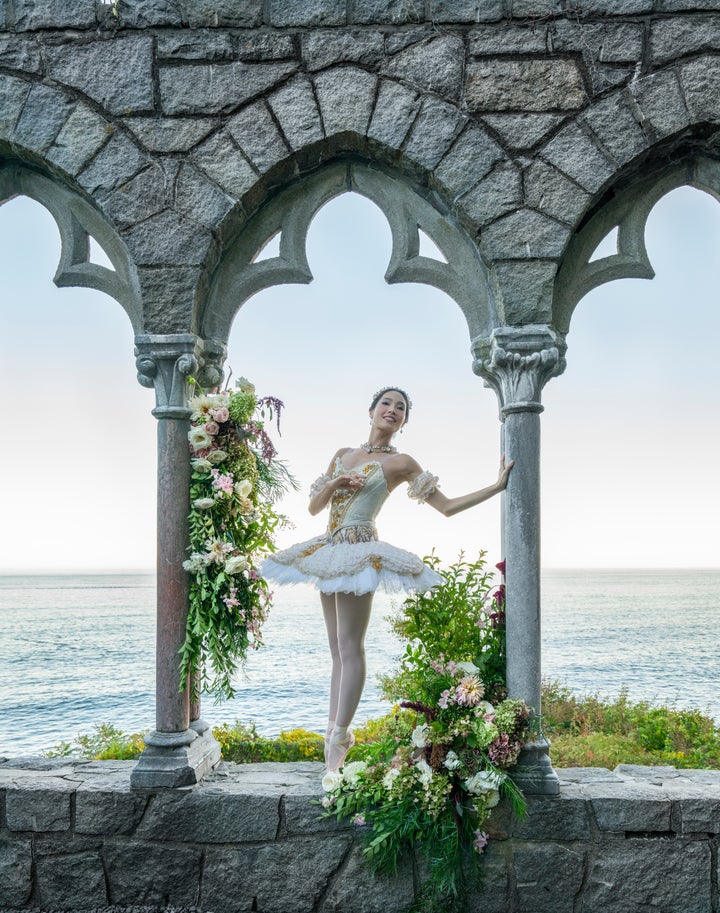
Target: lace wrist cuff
421,487
318,485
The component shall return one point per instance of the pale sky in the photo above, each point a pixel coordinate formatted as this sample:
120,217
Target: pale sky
631,431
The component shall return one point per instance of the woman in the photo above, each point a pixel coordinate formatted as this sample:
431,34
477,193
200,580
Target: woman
348,563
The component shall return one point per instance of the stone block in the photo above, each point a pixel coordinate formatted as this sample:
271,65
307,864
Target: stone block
217,88
435,65
677,6
140,14
609,42
526,289
638,875
152,875
613,120
361,891
215,13
700,81
79,139
42,118
613,7
165,134
13,94
634,808
228,815
168,296
699,815
140,197
578,156
200,198
471,157
67,877
302,815
297,112
346,96
223,162
608,76
107,806
497,194
488,886
491,41
677,37
15,871
54,14
323,48
254,130
201,45
498,84
20,53
116,163
167,238
396,12
433,133
39,803
395,111
232,877
661,103
258,46
466,10
524,235
405,38
564,817
523,131
116,73
549,191
307,12
548,877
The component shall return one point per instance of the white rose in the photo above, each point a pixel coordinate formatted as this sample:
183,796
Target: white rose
492,798
236,564
452,761
200,465
216,456
194,563
203,503
424,770
244,385
243,488
352,771
484,781
199,438
419,736
468,668
390,777
332,780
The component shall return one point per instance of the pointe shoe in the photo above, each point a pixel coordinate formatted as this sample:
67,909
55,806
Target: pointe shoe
337,751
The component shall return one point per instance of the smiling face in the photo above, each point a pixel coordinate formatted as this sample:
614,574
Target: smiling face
390,411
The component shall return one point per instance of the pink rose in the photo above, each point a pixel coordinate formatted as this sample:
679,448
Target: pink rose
220,415
211,427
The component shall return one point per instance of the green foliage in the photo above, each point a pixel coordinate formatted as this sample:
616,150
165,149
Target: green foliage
587,730
106,742
242,744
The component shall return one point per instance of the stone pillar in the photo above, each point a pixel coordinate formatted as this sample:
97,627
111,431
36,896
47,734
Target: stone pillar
517,362
177,753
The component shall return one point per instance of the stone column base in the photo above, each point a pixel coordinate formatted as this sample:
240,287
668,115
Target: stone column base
173,759
534,773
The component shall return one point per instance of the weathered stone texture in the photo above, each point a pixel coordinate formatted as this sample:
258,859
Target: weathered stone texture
614,122
116,73
197,196
574,153
223,162
205,45
152,875
254,130
215,13
39,804
117,162
529,85
140,197
471,157
79,139
466,10
358,890
322,49
52,14
140,14
673,38
701,84
169,135
307,12
167,238
42,117
396,12
346,96
432,66
20,54
549,877
523,235
611,42
257,46
490,41
15,871
66,875
523,131
296,110
497,194
526,290
549,191
661,103
217,88
395,111
433,133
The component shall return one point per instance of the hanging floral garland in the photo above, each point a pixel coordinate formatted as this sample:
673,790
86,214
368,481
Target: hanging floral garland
236,479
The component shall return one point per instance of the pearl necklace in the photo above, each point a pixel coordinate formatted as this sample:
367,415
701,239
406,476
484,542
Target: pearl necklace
378,448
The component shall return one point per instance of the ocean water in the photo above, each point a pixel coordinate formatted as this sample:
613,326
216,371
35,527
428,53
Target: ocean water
78,650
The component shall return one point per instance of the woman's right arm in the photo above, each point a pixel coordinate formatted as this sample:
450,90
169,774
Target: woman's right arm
322,489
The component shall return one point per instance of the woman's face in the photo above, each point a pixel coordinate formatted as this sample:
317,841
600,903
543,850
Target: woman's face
390,412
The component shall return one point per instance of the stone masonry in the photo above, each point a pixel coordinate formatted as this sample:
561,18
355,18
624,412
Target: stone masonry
74,836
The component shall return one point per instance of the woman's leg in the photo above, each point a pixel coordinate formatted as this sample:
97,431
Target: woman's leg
330,614
353,616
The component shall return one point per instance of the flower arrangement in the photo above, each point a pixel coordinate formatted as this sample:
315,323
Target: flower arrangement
441,767
236,478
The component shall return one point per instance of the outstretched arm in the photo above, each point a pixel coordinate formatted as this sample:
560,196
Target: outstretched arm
449,506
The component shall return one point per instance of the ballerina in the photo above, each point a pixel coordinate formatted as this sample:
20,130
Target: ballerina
348,563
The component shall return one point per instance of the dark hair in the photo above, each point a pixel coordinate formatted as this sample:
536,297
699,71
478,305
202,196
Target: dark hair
380,393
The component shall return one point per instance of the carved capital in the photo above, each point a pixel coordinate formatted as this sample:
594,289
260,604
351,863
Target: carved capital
165,362
211,354
517,362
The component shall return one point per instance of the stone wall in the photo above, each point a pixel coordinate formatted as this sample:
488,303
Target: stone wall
73,835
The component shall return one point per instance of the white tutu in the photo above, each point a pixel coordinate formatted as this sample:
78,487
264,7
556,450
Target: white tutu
343,567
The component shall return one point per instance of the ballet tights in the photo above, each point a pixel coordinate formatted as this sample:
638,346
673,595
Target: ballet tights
346,620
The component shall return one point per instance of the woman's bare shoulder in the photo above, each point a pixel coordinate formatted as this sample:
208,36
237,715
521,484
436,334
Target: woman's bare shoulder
402,467
337,456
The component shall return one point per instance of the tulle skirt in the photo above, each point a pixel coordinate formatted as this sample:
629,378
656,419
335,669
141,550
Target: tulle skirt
351,567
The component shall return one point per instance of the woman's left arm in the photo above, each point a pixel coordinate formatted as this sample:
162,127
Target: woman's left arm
450,506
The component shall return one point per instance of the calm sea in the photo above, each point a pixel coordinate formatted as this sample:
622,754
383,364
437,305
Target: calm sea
79,650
